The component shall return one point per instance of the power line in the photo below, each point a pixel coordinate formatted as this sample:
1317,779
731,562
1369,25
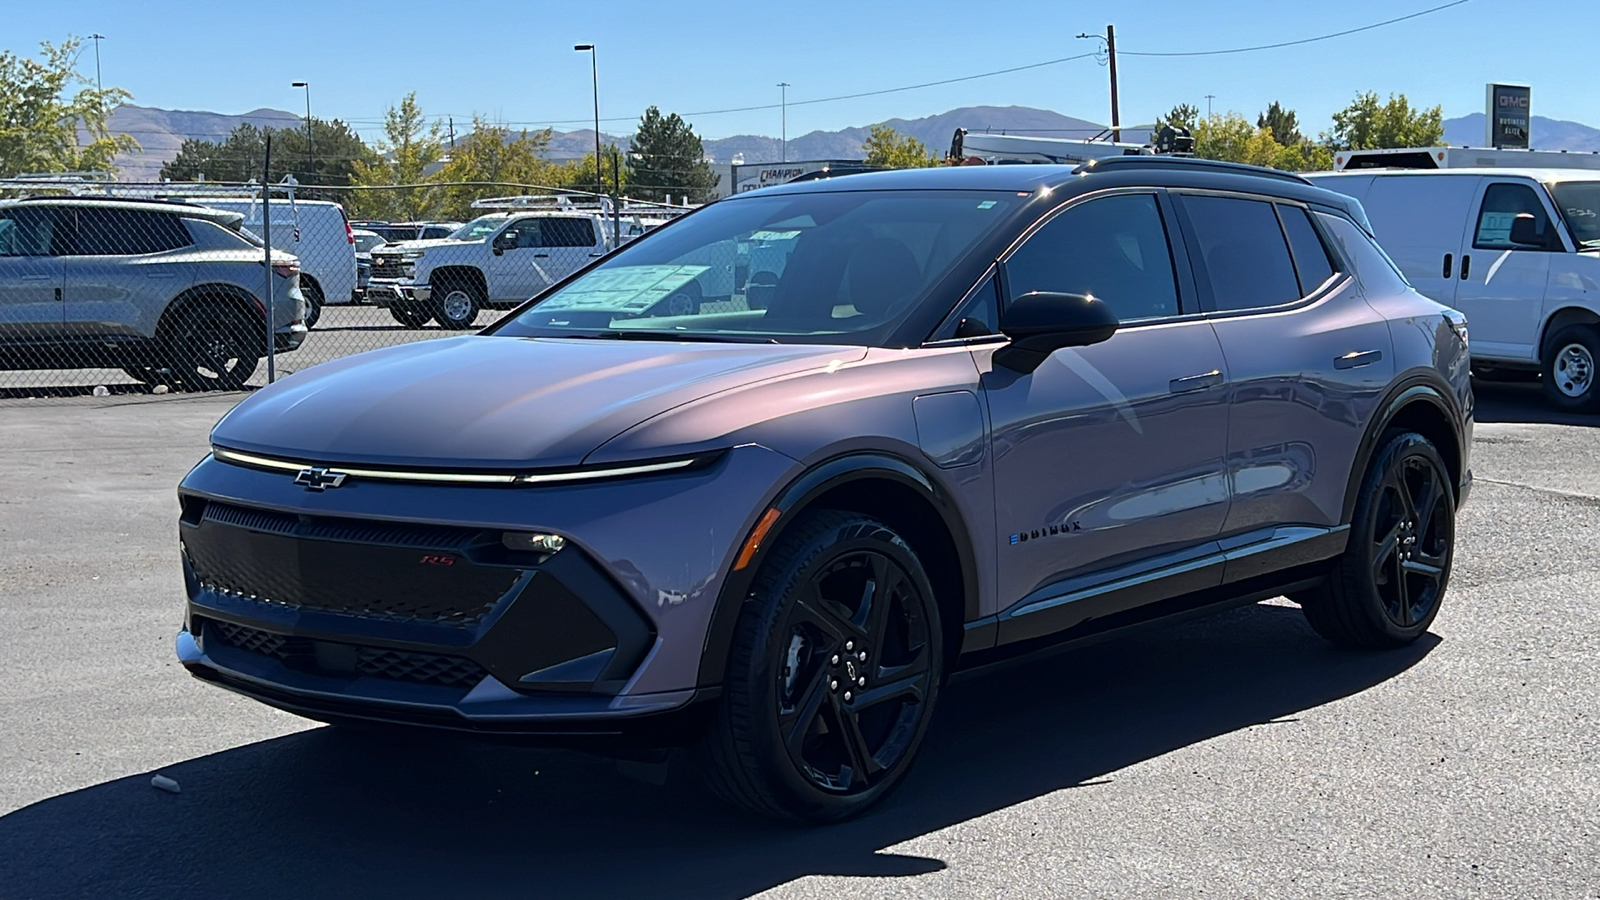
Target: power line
1310,40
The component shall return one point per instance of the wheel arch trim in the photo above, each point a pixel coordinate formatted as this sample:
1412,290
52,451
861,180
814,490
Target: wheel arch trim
1422,386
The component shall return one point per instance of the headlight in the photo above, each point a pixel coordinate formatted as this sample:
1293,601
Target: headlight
533,542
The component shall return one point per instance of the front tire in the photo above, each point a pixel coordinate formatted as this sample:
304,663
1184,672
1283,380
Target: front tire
1386,589
1568,369
835,667
456,304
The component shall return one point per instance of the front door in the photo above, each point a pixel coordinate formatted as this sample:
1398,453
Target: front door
30,276
1109,459
1502,287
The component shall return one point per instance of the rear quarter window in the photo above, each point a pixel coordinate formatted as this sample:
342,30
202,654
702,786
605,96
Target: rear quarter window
1370,264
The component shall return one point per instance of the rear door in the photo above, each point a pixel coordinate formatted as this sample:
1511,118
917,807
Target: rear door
1502,285
1308,358
30,273
120,274
1108,459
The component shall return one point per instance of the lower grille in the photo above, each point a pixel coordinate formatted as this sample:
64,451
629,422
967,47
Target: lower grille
376,662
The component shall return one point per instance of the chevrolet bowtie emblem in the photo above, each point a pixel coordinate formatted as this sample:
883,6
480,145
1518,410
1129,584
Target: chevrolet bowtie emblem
320,479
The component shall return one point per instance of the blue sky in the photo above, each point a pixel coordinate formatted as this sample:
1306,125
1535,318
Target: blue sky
513,61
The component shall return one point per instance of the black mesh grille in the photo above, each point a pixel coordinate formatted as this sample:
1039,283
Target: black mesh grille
379,570
376,662
388,267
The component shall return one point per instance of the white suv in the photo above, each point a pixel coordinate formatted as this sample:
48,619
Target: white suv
499,260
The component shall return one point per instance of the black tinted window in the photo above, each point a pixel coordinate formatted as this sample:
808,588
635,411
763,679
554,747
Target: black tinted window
127,232
1114,249
29,232
1310,255
1502,203
1242,252
568,232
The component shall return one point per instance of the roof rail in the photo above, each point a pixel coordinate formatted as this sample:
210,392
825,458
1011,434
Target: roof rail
1117,163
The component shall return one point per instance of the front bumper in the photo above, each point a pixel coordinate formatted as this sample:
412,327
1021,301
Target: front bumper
289,337
386,293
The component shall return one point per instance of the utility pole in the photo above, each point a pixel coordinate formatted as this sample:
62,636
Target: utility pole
310,153
452,134
1110,38
97,38
783,103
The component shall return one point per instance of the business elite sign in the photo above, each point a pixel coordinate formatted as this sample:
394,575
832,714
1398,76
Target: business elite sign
1508,115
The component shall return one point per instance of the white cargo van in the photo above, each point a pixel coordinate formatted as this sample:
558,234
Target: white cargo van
314,230
1517,250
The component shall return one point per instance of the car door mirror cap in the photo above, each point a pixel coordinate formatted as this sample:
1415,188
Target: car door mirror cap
1042,322
1525,232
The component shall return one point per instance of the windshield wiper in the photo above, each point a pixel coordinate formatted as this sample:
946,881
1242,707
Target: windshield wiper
673,336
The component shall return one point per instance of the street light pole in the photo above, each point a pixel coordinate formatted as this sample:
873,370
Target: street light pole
1209,98
309,152
1109,40
97,38
783,148
594,71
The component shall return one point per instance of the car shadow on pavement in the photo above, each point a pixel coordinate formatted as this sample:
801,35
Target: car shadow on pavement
328,812
1521,402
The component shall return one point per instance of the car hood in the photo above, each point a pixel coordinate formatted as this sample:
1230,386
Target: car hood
495,402
402,246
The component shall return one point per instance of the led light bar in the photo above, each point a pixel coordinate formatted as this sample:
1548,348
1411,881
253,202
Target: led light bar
507,478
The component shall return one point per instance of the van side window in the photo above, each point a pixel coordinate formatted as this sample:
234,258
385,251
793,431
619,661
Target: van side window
1114,248
1305,245
1502,203
1243,253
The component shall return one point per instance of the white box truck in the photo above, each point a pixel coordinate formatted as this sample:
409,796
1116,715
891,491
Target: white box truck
1516,250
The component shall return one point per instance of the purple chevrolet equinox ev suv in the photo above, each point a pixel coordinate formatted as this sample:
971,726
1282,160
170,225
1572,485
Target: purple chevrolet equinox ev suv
936,418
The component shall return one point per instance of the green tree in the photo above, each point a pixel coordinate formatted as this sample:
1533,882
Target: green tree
580,175
667,160
1368,124
889,148
1181,116
412,148
1231,137
334,152
493,153
42,128
1282,123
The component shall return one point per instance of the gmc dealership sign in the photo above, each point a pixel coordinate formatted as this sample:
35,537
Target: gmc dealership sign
1508,115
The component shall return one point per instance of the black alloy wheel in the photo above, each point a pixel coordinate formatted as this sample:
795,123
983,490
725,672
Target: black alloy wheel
836,666
1387,588
212,350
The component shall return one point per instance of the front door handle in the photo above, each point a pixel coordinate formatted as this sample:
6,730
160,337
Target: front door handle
1447,265
1195,382
541,256
1357,358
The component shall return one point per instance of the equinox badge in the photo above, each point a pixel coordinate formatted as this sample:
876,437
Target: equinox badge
319,479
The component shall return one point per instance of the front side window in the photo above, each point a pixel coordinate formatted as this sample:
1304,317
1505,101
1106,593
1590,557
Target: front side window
1243,254
829,267
1502,203
1114,249
28,232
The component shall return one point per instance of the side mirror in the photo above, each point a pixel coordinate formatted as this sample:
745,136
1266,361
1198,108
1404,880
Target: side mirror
504,241
1524,231
1039,323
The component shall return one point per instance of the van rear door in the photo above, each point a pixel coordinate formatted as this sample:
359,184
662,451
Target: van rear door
1417,220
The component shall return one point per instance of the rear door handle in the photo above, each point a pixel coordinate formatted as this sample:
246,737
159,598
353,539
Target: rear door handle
1195,382
1357,359
1447,258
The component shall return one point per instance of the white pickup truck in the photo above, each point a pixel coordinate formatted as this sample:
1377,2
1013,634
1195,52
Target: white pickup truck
502,258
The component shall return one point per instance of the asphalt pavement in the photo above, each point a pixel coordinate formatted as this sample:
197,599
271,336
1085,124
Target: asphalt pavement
1234,756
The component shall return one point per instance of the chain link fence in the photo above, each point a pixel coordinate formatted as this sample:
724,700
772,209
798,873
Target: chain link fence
117,288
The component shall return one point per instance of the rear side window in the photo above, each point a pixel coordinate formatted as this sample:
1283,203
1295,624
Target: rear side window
1502,203
1377,272
127,232
1114,248
1310,255
1243,252
568,232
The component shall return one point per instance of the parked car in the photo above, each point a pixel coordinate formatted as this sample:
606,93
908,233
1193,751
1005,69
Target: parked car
168,292
317,233
1517,250
504,257
986,410
396,232
365,242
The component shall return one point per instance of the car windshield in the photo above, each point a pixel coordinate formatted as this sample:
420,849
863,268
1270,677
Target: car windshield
1579,202
839,267
366,243
479,228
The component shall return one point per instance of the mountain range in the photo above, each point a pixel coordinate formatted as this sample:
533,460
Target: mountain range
161,132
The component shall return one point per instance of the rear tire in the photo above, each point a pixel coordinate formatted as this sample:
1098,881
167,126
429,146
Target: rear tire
312,291
1386,589
833,674
213,349
1568,369
456,303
